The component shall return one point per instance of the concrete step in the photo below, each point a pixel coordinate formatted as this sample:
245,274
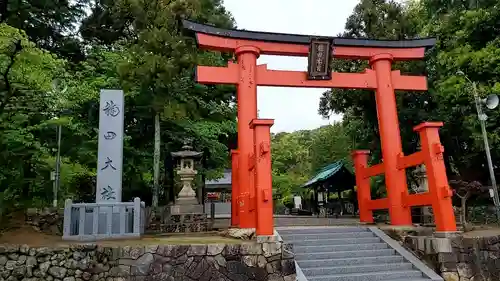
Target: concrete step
350,261
335,241
419,279
342,254
311,272
314,230
325,235
336,248
406,275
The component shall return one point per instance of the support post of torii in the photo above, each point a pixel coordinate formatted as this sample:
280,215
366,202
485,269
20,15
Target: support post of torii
390,139
247,75
235,216
263,180
247,111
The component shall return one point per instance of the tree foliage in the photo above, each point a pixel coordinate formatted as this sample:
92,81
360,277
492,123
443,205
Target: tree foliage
55,58
467,35
300,155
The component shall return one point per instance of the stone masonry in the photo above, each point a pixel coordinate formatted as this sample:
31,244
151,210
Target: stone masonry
459,258
50,221
183,223
46,220
246,262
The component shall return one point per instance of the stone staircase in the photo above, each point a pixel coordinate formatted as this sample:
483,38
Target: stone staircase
352,254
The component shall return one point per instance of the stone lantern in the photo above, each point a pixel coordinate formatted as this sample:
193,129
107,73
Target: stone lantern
322,197
186,201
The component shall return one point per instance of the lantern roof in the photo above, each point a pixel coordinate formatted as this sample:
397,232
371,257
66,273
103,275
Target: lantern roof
187,151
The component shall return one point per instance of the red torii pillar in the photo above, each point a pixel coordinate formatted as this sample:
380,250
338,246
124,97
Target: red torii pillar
247,111
234,189
247,75
390,139
439,194
263,179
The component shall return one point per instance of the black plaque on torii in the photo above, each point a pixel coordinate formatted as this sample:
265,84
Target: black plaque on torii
320,58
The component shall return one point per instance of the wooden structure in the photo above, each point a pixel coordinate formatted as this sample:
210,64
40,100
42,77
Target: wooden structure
218,195
253,180
332,178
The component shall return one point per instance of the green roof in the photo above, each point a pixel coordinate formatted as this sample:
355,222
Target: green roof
325,173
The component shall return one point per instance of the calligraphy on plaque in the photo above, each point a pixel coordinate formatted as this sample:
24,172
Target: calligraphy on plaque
108,164
111,109
109,135
110,149
108,193
320,56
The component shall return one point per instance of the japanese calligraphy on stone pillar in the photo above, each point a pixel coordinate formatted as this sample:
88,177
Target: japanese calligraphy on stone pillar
110,149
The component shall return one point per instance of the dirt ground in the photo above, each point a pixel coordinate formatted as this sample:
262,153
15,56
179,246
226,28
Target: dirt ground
27,235
486,232
18,232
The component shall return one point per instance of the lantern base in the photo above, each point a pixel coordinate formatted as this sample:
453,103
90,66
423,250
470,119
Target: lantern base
186,205
186,202
178,209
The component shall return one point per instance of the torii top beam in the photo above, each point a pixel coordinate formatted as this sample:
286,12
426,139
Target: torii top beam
281,44
266,43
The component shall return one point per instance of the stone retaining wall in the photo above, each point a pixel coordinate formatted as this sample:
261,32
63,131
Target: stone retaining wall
245,262
46,220
459,258
169,223
50,221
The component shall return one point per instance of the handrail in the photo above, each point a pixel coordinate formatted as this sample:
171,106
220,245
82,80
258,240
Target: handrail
106,220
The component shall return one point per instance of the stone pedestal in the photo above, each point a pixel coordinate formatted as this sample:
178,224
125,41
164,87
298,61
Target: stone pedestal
447,234
322,212
186,223
163,221
181,209
186,202
186,215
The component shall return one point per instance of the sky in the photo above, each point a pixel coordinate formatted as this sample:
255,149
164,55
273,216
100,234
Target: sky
291,108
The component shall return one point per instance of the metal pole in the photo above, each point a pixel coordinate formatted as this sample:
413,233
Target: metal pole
58,166
482,119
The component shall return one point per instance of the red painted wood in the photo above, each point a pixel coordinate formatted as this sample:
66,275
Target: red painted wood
222,44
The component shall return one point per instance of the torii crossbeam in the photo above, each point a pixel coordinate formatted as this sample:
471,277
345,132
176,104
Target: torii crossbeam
251,188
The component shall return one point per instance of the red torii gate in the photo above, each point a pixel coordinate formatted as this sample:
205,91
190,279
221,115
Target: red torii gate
251,162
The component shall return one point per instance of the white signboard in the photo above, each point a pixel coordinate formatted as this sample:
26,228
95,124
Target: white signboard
110,149
297,201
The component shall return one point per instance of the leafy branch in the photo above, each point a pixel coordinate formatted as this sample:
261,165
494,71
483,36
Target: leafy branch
9,92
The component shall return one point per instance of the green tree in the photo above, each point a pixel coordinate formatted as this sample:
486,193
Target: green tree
379,19
290,163
51,24
26,106
299,155
468,41
149,57
467,33
329,144
157,73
